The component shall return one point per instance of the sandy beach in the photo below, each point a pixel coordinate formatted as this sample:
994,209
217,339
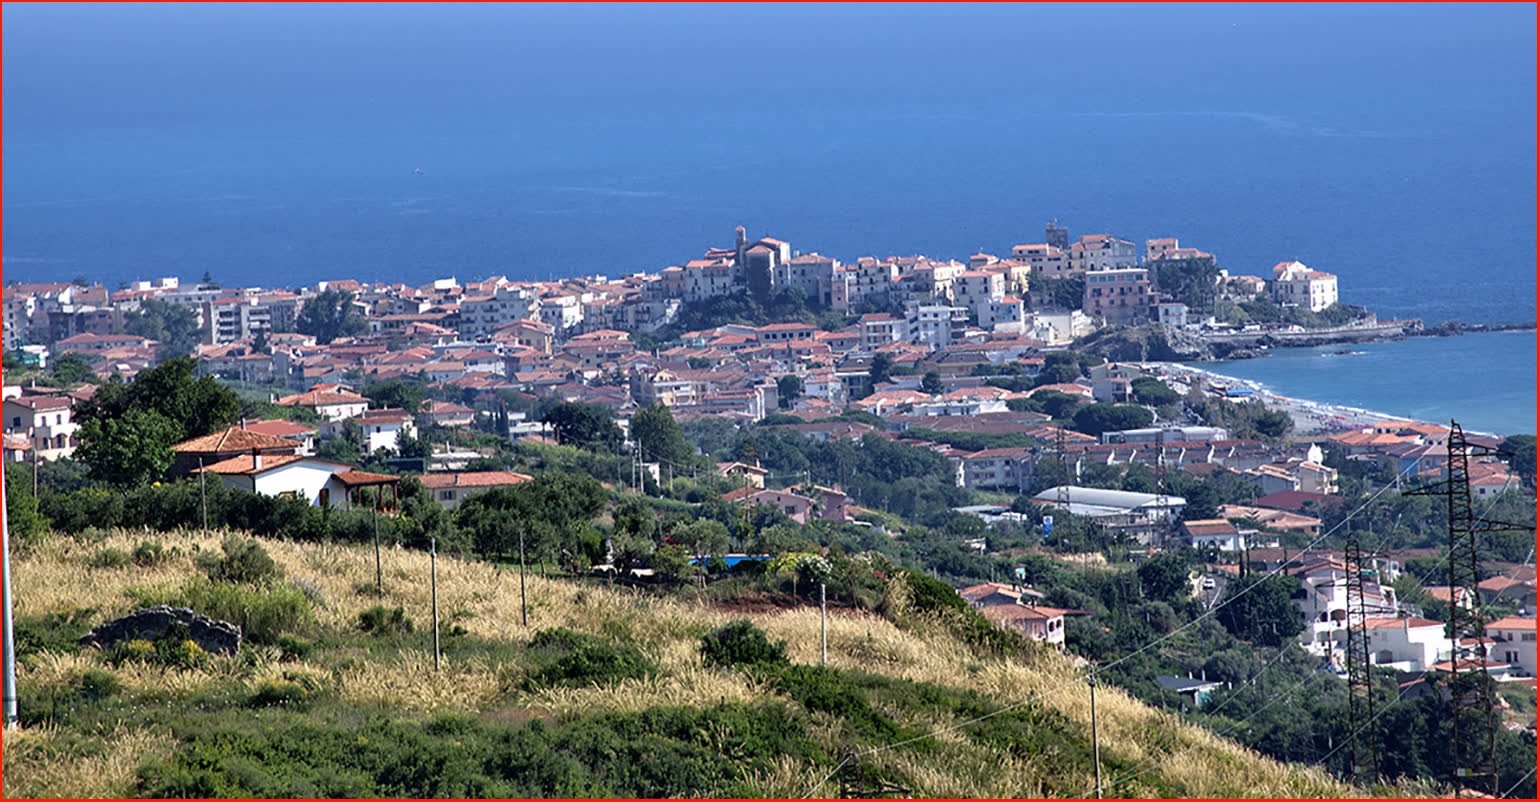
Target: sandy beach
1309,416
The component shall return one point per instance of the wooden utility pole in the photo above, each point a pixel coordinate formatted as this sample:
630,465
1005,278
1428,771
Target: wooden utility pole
433,573
523,600
379,573
1096,750
823,620
203,497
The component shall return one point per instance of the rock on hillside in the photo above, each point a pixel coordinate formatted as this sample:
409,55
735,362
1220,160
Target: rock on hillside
1146,343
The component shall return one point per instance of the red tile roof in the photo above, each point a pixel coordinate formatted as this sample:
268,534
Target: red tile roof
437,481
232,440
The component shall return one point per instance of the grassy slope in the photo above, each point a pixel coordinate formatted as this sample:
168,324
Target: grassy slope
1044,752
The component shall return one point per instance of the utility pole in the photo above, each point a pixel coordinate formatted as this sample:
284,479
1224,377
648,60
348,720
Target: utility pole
823,621
8,664
433,573
523,600
379,574
1363,755
1096,749
1470,686
203,497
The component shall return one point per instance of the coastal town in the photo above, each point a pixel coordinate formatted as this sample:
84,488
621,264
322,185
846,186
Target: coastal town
1046,430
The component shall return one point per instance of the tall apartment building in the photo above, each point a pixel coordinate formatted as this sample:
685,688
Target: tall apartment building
1119,296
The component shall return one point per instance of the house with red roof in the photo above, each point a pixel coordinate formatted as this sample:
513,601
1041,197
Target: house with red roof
451,488
1515,641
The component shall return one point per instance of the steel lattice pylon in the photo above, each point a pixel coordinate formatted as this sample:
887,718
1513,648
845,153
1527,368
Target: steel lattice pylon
1473,715
1363,752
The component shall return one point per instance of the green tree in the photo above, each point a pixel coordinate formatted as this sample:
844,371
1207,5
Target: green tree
1165,577
702,536
881,369
176,327
195,405
672,563
1061,373
1521,450
330,315
788,389
1094,419
27,526
931,383
584,426
395,394
1261,610
1153,392
130,449
660,436
71,368
411,447
1058,404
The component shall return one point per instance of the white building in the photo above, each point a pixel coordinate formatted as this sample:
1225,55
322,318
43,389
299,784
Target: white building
330,401
1407,644
449,489
45,421
1516,642
1296,285
936,326
320,482
481,314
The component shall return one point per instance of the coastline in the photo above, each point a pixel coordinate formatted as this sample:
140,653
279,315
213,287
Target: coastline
1310,417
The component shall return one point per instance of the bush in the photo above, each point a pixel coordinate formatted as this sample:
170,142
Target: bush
147,554
575,659
98,684
741,643
281,693
381,620
294,647
263,614
245,562
108,558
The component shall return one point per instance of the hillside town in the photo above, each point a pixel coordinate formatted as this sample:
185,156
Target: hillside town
974,363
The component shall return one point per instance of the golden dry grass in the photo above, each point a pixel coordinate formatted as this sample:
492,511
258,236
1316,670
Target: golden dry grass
40,762
54,578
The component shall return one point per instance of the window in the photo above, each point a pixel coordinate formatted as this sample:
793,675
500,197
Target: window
447,495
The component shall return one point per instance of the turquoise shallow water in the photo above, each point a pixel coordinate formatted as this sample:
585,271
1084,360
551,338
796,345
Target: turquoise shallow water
1484,381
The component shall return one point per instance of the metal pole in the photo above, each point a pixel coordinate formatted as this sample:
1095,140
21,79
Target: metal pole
823,621
523,600
433,572
9,658
1096,750
379,575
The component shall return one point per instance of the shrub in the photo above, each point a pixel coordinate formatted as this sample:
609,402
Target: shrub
98,684
263,614
381,620
741,643
294,647
574,659
108,558
148,554
55,631
245,561
281,693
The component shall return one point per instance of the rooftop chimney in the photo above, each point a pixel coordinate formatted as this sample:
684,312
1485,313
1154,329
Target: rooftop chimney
256,459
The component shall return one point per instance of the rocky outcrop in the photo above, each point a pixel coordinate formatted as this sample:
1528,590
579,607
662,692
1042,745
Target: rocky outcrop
152,623
1146,343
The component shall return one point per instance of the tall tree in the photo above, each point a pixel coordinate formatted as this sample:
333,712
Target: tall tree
584,426
176,327
1264,614
395,394
788,389
330,315
195,405
128,450
1093,419
931,383
659,435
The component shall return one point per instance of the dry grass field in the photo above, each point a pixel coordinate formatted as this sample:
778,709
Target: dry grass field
1145,752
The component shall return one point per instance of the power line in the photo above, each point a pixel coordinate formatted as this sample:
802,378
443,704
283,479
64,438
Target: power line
1045,694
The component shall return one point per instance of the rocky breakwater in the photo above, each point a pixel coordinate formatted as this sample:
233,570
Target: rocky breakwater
152,623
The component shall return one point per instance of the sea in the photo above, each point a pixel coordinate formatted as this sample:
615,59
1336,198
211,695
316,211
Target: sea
278,145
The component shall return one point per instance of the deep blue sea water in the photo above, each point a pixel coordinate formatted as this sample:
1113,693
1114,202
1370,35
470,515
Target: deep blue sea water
275,145
1420,378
